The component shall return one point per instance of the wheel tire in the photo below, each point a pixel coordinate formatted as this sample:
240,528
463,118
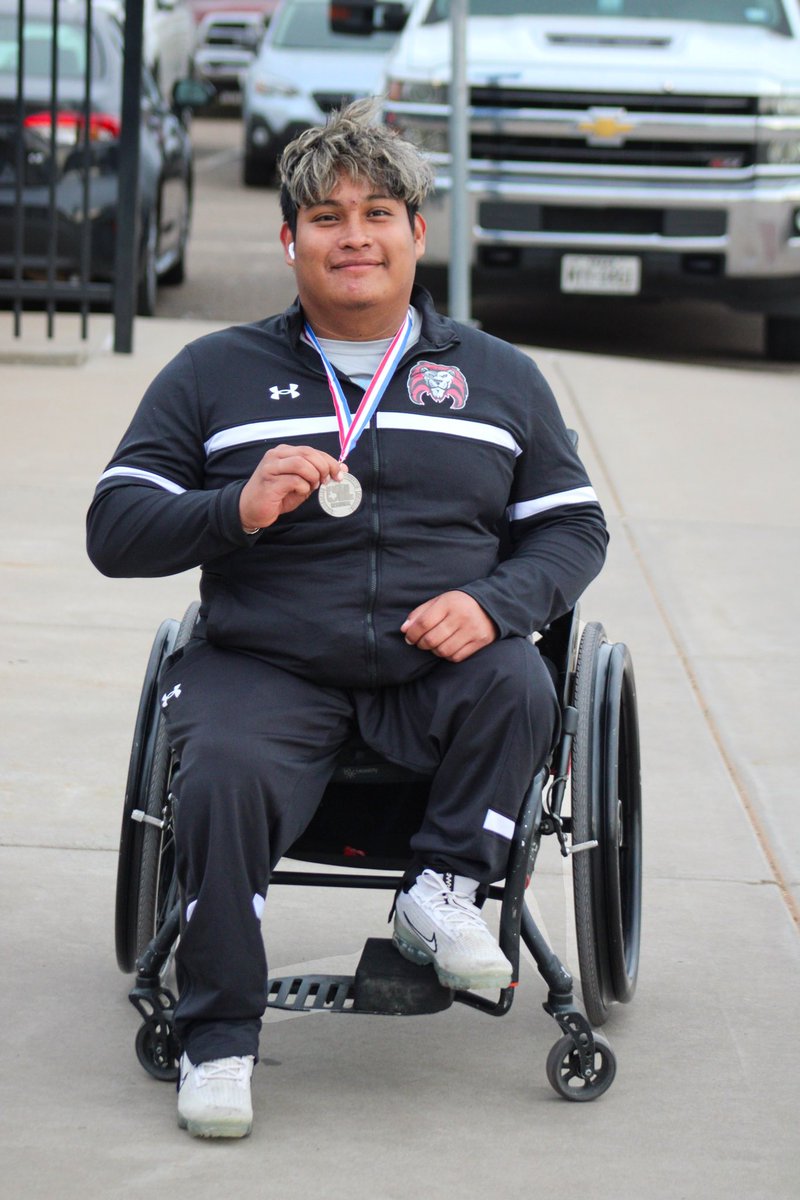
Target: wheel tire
783,338
587,865
257,169
147,290
176,274
157,1050
146,884
136,797
158,885
622,826
607,807
564,1075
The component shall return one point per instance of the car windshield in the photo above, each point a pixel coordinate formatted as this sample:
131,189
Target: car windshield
767,13
306,26
37,48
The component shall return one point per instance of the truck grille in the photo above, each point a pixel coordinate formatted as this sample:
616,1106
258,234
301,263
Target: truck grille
506,147
665,222
504,139
704,106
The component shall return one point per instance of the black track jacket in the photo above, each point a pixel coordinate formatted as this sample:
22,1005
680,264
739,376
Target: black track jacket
467,454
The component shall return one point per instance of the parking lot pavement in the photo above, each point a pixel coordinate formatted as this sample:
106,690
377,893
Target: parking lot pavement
695,467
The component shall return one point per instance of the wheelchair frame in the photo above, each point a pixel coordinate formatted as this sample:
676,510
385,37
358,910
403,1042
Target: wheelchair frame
598,746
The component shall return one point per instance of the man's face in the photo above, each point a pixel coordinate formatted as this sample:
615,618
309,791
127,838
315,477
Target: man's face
355,257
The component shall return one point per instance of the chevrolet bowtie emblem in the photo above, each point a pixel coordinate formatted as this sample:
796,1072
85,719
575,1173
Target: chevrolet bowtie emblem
606,126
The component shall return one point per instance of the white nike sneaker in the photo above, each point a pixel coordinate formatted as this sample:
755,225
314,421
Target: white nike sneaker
437,922
214,1097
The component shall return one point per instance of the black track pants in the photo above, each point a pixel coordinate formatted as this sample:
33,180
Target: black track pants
257,746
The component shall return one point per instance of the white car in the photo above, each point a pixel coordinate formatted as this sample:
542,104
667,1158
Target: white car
227,43
301,73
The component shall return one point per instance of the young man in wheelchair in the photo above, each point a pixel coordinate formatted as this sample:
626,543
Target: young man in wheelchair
343,472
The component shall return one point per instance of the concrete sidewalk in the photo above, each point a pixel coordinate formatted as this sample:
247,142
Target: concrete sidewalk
696,468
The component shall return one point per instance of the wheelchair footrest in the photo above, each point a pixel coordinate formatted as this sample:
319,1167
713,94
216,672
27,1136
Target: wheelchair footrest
311,993
384,983
388,983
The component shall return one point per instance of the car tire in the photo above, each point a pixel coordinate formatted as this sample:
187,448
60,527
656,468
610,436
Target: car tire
177,272
147,288
783,339
257,171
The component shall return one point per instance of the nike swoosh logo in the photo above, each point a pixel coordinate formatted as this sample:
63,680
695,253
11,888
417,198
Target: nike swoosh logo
430,940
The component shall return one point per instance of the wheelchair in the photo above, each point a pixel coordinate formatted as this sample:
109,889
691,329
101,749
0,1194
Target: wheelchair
368,813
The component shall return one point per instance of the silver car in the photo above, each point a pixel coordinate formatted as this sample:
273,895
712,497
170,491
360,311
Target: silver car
302,71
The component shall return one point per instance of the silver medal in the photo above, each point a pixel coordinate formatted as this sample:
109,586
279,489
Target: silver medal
340,499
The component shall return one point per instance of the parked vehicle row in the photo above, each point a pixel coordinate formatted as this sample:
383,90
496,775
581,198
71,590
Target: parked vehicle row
629,148
641,148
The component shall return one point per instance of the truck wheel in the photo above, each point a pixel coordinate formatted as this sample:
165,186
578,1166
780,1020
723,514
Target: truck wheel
783,339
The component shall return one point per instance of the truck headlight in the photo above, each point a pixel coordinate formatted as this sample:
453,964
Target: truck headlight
270,85
779,106
779,145
426,127
418,91
782,154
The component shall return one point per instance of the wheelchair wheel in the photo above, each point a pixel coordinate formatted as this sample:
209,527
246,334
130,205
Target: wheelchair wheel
623,824
146,883
606,806
158,1050
564,1070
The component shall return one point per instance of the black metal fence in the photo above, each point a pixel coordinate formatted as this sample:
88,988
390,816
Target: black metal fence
46,164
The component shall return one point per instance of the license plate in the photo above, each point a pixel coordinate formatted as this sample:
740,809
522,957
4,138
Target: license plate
601,274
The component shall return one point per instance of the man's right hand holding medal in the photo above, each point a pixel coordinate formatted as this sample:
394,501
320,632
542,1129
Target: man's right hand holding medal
282,481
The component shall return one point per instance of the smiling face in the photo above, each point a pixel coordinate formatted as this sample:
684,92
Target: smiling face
355,257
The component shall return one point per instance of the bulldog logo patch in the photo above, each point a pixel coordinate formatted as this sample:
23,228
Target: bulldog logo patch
438,383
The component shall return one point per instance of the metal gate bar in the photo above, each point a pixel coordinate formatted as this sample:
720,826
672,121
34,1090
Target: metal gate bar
48,290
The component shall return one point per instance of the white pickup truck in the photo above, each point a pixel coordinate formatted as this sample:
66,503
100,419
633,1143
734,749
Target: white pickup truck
620,147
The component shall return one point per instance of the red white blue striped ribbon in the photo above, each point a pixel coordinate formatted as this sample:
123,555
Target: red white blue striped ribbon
351,427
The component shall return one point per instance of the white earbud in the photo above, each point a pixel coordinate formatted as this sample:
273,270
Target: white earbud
291,250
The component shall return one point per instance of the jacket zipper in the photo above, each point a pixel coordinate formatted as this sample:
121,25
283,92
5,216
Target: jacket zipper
372,593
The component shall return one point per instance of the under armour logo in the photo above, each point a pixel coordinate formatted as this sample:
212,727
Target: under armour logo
173,695
292,391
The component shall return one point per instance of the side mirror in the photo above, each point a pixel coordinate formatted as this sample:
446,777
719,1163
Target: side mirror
394,18
192,93
363,17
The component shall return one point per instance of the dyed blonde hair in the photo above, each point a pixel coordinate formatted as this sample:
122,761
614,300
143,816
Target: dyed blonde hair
353,143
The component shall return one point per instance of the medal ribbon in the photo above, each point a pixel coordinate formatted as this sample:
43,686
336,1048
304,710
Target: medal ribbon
351,427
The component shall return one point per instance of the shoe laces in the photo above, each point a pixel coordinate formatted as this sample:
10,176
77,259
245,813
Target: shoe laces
223,1068
458,911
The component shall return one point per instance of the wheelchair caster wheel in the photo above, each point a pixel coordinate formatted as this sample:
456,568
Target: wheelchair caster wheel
564,1070
157,1050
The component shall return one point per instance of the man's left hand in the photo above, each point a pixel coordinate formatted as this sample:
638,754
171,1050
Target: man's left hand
451,626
